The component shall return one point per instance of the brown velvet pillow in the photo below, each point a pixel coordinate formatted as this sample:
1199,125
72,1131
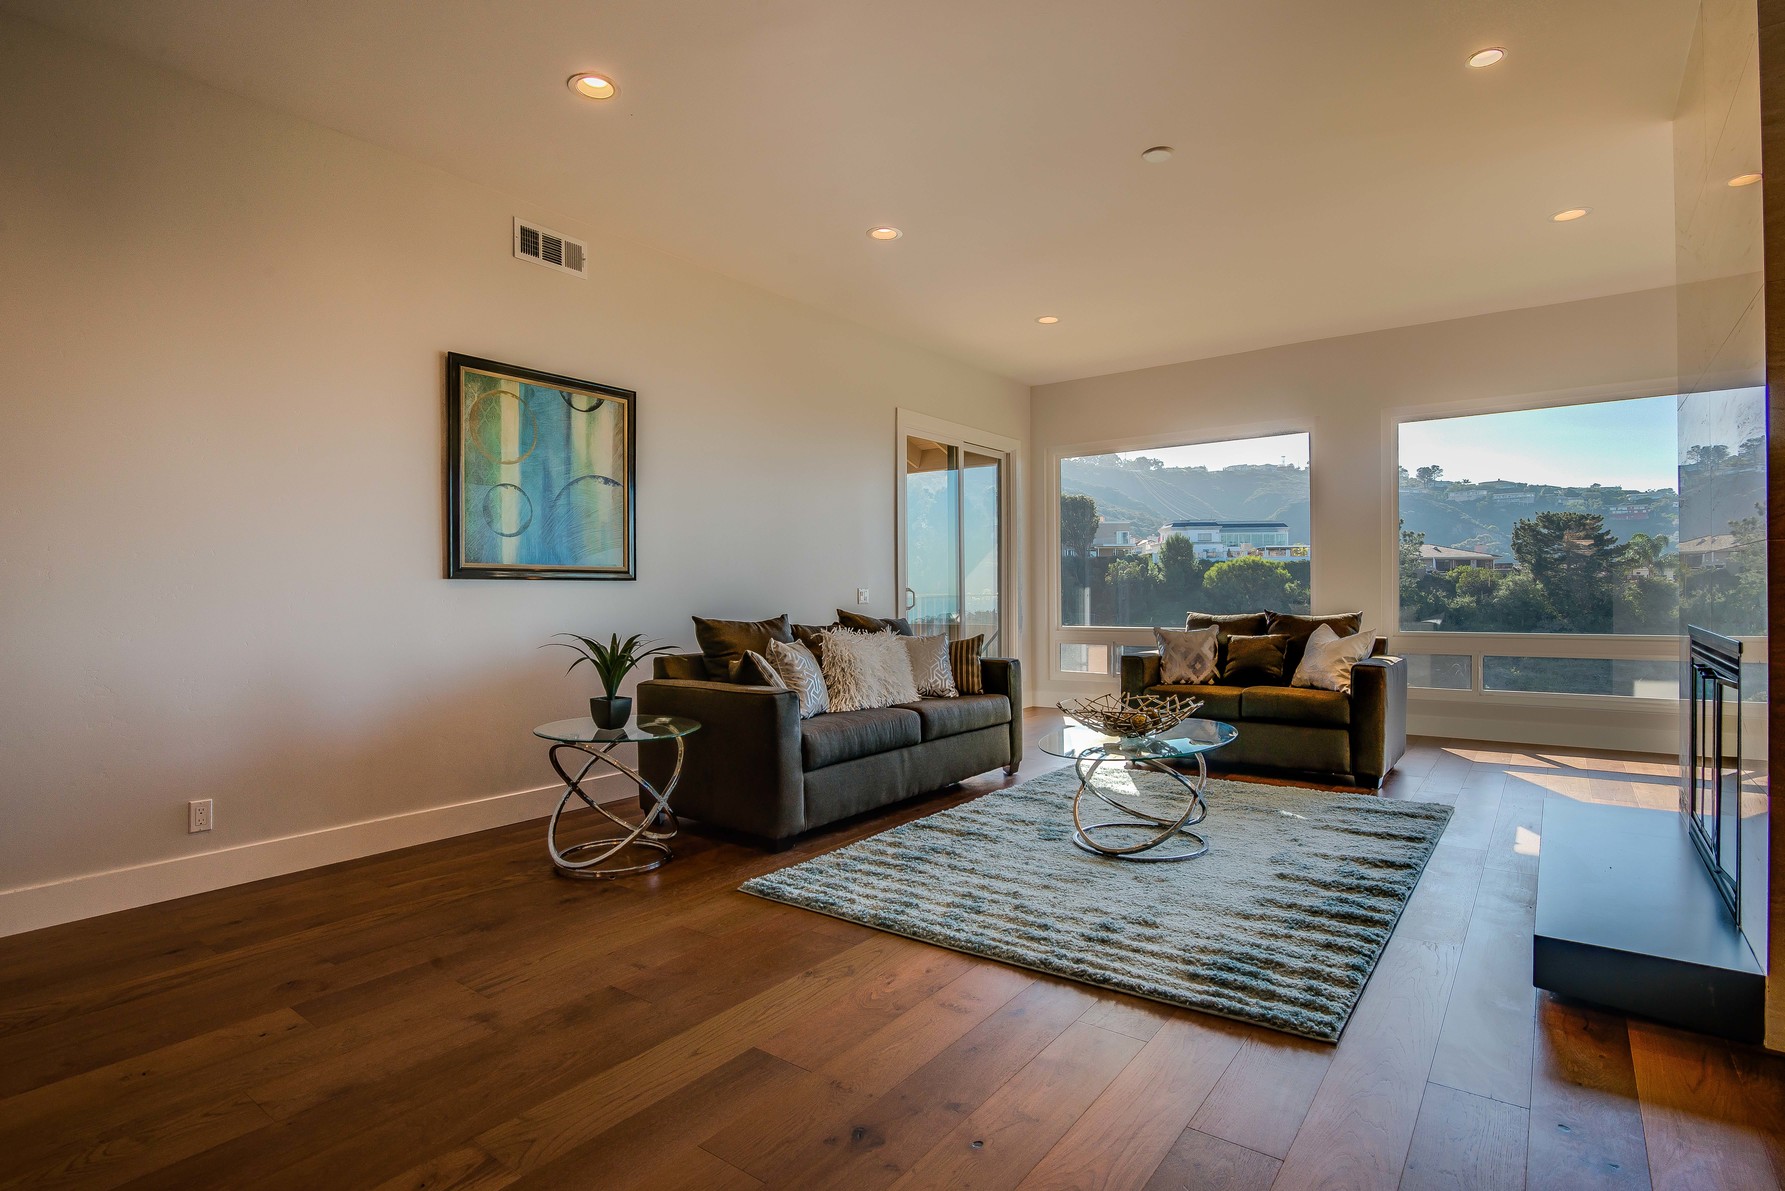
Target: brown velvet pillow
1254,661
1234,624
963,659
874,624
723,642
812,637
1297,630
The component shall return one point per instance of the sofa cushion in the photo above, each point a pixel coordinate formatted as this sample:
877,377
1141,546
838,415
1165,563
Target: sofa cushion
1296,705
1234,624
846,735
963,713
874,624
1218,702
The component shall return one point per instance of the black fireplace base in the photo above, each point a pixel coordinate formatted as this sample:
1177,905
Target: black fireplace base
1627,918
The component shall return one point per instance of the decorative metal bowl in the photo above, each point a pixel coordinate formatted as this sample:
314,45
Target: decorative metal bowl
1132,717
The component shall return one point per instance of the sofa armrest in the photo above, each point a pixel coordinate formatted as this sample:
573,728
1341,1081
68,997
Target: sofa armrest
1378,717
1139,671
742,770
1004,676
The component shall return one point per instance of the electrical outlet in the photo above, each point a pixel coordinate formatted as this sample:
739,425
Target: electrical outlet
861,595
198,815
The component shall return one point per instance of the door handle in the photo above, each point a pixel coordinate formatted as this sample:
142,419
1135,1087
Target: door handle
910,599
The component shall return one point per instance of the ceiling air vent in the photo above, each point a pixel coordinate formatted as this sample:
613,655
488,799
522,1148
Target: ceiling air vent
545,247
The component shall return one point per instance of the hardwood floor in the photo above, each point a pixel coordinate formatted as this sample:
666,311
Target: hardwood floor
452,1016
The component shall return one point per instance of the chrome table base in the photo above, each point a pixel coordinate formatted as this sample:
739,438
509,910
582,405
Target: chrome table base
1160,830
588,860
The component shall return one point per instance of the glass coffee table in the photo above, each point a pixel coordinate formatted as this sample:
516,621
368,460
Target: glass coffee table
652,833
1090,750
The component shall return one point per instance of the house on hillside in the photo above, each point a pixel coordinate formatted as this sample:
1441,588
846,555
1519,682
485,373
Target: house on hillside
1114,538
1439,559
1217,541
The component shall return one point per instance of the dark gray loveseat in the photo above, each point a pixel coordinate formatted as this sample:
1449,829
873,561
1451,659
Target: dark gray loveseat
756,769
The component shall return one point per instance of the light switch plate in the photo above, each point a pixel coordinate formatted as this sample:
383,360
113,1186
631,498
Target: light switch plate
861,595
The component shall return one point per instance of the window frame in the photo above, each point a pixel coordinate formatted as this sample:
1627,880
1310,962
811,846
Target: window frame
1595,646
1059,634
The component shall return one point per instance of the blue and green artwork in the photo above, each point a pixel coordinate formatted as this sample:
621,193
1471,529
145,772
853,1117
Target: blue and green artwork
543,466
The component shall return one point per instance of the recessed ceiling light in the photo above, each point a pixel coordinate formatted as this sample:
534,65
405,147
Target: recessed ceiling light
1744,179
1156,154
593,86
1487,57
1048,319
884,233
1571,214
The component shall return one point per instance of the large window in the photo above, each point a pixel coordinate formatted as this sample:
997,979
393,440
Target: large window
1566,524
1146,536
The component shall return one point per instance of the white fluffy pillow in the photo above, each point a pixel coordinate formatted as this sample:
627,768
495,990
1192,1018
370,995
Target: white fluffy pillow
1327,664
929,666
863,670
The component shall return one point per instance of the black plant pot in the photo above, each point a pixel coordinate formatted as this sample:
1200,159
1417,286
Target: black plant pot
611,713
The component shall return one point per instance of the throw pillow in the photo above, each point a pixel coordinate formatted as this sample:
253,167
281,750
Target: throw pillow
1235,624
812,637
797,670
1328,658
864,670
1254,661
929,666
723,642
1298,628
1187,656
754,670
873,624
963,659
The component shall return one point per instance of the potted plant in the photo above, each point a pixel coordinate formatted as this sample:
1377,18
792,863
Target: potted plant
613,662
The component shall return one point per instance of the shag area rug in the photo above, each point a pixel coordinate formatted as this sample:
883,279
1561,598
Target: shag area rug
1279,924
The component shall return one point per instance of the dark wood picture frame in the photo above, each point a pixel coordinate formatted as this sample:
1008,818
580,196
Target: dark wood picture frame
456,565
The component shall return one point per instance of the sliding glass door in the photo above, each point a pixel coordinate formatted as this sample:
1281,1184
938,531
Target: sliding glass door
952,539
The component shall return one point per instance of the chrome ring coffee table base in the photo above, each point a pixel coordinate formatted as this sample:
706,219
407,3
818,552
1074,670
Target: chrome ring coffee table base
1160,830
589,860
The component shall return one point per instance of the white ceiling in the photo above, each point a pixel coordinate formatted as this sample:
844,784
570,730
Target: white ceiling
1338,169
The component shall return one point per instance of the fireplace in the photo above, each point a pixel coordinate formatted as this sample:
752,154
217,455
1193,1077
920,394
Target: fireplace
1711,796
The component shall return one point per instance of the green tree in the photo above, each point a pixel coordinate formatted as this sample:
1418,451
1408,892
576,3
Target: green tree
1078,528
1429,475
1576,563
1180,576
1249,584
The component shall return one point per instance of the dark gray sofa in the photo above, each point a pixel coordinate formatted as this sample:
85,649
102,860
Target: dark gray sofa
756,769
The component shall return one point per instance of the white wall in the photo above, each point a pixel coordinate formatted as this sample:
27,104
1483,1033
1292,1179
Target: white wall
220,506
1347,393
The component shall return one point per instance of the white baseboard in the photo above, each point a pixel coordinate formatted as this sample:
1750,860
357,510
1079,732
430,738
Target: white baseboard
31,907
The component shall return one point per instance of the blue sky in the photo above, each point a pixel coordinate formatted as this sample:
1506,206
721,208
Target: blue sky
1629,444
1626,443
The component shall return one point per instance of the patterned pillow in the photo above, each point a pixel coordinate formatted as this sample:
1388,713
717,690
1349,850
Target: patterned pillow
796,669
1327,663
1187,656
929,666
864,670
963,659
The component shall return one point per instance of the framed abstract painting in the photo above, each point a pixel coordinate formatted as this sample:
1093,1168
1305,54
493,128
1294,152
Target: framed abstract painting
539,475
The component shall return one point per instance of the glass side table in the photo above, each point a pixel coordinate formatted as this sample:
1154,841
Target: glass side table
1089,750
652,833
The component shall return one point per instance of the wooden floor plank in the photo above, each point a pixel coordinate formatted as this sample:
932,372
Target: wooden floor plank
1705,1125
1121,1138
1265,1092
1485,1044
1003,1139
1586,1125
1465,1142
1198,1162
